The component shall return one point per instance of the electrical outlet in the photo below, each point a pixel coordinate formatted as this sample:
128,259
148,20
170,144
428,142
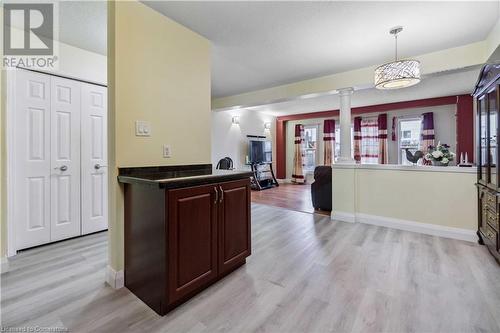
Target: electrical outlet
167,151
142,128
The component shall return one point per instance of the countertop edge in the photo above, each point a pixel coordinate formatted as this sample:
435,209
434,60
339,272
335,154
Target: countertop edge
184,181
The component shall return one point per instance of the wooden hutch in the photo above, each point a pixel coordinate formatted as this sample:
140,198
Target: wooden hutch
487,98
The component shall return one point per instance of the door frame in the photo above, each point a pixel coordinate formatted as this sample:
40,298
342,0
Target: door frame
10,172
10,80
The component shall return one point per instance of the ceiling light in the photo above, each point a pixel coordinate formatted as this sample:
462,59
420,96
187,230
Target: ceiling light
399,73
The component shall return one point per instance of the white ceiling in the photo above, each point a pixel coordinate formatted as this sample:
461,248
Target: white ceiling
84,24
80,23
257,45
437,85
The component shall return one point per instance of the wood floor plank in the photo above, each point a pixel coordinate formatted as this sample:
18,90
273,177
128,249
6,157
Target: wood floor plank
306,274
290,196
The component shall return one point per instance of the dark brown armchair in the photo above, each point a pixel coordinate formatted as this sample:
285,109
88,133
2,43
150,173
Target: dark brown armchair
321,188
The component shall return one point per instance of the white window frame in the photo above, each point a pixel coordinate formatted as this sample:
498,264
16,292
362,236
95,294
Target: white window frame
398,133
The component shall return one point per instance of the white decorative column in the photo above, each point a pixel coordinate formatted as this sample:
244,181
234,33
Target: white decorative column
345,126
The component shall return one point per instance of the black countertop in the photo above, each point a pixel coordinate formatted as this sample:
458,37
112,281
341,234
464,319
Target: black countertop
177,176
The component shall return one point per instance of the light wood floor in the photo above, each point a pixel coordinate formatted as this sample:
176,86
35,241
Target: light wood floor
291,196
306,274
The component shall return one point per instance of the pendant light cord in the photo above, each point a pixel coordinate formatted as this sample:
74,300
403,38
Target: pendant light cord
396,42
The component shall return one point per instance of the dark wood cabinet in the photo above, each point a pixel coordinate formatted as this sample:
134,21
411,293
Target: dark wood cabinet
179,241
487,94
192,239
234,232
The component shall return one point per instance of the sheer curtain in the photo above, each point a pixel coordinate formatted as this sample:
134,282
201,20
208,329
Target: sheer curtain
298,159
369,141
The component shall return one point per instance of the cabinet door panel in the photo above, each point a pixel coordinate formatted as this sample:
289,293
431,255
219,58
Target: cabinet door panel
192,239
493,133
234,228
483,141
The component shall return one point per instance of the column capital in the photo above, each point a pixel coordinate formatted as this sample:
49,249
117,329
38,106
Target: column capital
345,91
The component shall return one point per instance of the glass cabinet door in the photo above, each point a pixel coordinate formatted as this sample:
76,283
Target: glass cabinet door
493,131
483,143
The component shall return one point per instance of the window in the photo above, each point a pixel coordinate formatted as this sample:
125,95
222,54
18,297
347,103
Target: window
409,138
310,147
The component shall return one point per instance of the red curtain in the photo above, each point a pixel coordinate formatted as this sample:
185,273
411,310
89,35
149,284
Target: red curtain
427,135
329,141
393,137
382,138
298,159
357,139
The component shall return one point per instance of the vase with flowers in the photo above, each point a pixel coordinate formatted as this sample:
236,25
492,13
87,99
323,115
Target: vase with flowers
440,155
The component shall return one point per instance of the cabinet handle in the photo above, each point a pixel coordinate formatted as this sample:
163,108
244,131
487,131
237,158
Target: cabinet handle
221,194
216,194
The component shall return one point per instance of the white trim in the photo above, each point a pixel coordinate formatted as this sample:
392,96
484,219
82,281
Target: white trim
423,168
10,165
114,278
412,226
4,265
343,216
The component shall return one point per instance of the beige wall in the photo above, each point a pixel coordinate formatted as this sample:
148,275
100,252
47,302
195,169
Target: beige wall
158,71
447,199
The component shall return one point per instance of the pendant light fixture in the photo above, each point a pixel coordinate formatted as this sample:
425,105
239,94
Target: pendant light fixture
399,73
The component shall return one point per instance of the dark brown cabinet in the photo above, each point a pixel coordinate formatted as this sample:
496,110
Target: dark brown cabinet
487,94
234,236
192,239
179,241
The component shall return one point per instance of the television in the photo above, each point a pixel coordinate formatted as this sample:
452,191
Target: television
260,151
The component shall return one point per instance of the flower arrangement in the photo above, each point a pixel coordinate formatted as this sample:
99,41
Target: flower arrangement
440,154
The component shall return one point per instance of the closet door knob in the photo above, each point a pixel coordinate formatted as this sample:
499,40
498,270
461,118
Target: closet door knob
98,166
62,168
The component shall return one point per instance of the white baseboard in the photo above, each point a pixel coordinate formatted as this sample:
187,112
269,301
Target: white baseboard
114,278
4,265
423,228
343,216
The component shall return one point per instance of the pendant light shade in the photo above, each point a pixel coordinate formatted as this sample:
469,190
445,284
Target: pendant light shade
399,73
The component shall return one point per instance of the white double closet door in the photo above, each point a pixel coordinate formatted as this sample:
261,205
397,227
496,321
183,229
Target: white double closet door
60,158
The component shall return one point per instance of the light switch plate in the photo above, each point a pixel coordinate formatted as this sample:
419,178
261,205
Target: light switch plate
142,128
167,151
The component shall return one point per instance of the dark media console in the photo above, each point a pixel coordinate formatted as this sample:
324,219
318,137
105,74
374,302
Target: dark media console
263,176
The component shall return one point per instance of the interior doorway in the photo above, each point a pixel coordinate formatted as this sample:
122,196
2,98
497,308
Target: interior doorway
56,135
